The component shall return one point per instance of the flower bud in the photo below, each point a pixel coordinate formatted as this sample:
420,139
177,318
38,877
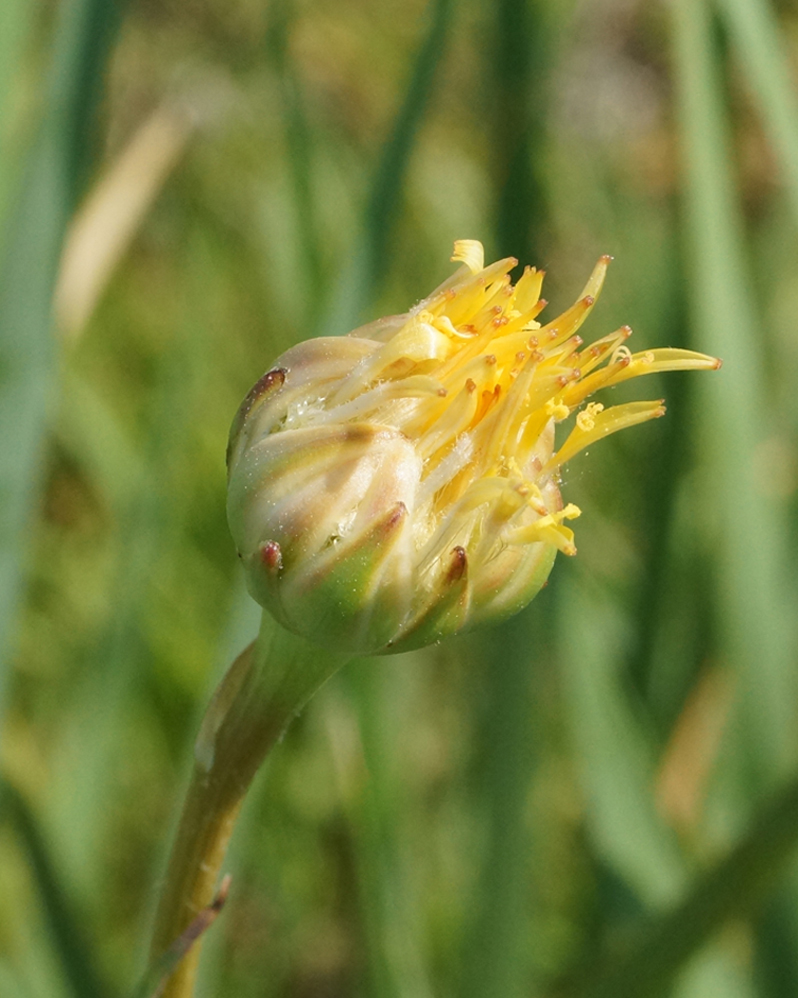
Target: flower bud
400,484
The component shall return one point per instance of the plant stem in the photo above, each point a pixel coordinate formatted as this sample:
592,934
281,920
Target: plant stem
266,686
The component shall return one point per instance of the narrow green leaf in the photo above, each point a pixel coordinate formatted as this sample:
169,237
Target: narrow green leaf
759,39
146,503
390,919
731,889
716,970
370,260
520,58
614,754
27,275
10,986
389,180
743,521
16,17
66,932
299,140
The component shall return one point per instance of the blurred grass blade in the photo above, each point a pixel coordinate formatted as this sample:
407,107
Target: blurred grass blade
732,889
10,986
754,27
716,970
86,769
741,519
16,20
359,283
65,928
390,921
388,183
299,140
614,756
27,275
105,224
520,59
616,762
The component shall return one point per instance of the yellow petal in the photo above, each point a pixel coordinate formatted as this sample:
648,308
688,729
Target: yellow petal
470,252
663,359
527,290
603,424
596,280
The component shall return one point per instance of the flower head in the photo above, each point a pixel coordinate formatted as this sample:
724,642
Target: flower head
399,484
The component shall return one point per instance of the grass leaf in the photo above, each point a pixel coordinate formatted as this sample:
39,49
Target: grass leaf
27,276
370,260
66,932
743,522
731,889
758,38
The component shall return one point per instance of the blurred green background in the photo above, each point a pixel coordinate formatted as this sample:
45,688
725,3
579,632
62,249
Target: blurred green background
597,799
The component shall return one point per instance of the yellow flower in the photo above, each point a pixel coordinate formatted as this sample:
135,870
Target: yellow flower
401,483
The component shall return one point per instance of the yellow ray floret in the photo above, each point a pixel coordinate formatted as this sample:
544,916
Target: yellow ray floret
477,383
601,423
469,252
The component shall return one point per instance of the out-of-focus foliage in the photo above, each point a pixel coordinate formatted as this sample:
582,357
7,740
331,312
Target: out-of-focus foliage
510,814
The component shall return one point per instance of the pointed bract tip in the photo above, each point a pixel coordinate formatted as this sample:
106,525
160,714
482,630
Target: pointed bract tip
269,381
271,556
458,565
398,513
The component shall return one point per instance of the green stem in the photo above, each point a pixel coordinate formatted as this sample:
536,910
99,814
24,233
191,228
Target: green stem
264,689
493,963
